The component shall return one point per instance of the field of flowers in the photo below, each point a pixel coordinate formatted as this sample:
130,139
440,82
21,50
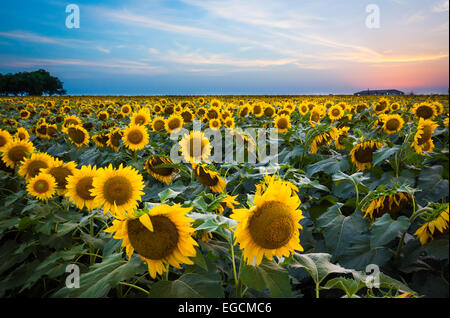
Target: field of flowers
353,202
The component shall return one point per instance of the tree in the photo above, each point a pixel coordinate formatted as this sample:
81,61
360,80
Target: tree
31,83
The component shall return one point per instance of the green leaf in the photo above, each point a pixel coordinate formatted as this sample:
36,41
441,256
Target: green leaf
191,285
103,276
385,229
318,265
267,275
338,230
348,285
330,166
168,194
384,153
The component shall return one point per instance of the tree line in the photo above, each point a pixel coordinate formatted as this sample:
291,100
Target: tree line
35,83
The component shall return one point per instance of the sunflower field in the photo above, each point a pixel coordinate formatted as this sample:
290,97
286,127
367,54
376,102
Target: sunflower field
354,202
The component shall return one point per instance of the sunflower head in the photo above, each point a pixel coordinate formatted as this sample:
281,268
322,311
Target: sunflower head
79,186
5,138
114,139
32,165
424,110
434,222
42,186
141,117
215,124
209,178
282,123
160,236
335,112
22,134
270,227
15,151
77,135
195,147
164,174
385,201
117,190
174,123
392,123
60,171
423,135
135,137
362,153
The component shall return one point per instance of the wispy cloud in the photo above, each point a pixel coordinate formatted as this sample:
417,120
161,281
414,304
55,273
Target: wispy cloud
440,7
27,36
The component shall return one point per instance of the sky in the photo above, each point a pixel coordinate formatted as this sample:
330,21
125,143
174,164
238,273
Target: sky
196,47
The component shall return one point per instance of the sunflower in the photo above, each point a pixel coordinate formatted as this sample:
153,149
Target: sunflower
42,186
270,227
200,112
212,113
229,123
101,139
243,110
60,171
216,103
269,111
324,139
22,134
5,138
341,134
125,110
423,134
392,123
141,117
77,135
114,139
174,123
79,186
395,106
335,112
158,123
41,130
316,115
157,108
209,178
214,124
227,202
195,147
163,174
435,223
424,110
381,106
71,120
117,190
161,236
303,109
52,130
24,114
15,151
362,153
360,108
103,115
31,166
392,202
187,115
257,110
135,137
282,123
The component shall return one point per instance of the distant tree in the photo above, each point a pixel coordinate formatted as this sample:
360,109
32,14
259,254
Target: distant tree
31,83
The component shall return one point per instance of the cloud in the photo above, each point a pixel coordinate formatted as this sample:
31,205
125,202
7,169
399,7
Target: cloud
414,18
440,7
27,36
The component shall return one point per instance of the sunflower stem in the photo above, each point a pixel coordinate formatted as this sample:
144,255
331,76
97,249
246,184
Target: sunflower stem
317,290
402,238
136,287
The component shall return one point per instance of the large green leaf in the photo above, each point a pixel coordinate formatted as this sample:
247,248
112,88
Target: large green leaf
190,285
267,275
318,265
385,229
384,153
101,277
338,230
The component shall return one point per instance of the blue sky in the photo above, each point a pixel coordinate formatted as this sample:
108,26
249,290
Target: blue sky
230,46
